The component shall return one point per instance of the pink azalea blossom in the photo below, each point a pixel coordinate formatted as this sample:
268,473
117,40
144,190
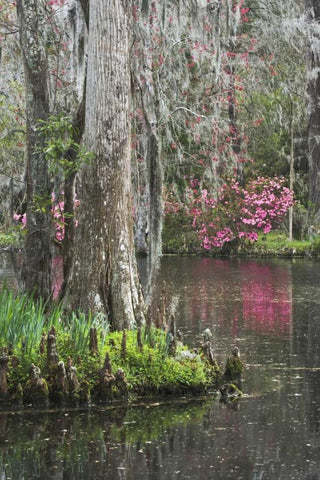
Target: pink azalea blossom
239,213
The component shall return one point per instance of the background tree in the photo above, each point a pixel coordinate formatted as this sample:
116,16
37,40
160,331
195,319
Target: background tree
37,268
12,117
313,95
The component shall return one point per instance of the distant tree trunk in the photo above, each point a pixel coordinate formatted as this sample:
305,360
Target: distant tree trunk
37,266
313,95
155,218
155,169
146,88
292,171
104,275
233,126
141,202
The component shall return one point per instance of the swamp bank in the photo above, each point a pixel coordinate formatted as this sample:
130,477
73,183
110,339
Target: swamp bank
46,359
180,239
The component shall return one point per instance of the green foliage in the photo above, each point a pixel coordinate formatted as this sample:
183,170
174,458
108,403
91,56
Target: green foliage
21,322
12,237
315,245
62,152
148,370
178,236
153,370
76,333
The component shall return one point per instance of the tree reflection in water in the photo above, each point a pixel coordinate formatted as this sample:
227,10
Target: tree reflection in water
195,439
271,310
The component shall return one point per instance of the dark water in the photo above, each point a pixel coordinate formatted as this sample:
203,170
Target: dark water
271,310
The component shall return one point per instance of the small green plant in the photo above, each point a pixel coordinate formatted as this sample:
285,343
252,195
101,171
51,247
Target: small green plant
13,237
62,152
315,245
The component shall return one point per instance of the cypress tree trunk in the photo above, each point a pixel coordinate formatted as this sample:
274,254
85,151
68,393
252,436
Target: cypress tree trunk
313,95
104,274
146,89
37,266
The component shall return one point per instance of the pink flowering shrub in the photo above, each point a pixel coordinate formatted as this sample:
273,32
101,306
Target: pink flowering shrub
240,213
57,212
20,218
58,216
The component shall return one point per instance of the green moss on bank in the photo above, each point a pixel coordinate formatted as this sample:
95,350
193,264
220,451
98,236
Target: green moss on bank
71,371
277,243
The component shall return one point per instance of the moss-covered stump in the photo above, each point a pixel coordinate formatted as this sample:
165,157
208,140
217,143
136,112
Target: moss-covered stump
36,391
230,391
4,360
105,380
232,378
234,366
52,355
64,386
121,384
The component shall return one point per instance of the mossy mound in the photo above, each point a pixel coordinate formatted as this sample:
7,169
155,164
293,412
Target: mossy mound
116,372
234,368
46,357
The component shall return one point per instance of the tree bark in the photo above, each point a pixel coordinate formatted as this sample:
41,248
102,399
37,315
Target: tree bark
313,95
104,275
37,266
146,89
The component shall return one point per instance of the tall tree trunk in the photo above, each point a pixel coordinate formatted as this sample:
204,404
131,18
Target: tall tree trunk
78,22
37,267
104,275
146,88
292,171
313,95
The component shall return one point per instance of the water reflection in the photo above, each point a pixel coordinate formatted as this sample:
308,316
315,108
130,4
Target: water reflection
266,298
271,310
254,439
236,299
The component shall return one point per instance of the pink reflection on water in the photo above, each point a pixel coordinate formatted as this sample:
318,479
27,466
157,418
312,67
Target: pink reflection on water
246,296
266,297
249,295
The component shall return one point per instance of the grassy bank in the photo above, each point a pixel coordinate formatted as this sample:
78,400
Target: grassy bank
180,238
46,357
276,243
